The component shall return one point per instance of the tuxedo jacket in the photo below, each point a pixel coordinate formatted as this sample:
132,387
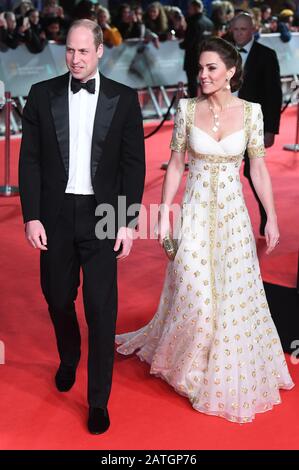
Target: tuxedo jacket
262,84
117,151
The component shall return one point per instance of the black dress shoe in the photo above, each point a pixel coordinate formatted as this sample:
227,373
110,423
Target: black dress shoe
98,420
65,378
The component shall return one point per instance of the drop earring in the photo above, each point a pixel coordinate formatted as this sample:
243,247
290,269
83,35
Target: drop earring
227,85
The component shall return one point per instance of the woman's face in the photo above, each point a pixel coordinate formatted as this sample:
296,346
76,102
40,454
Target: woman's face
139,13
102,17
266,15
24,7
34,17
213,72
153,13
126,15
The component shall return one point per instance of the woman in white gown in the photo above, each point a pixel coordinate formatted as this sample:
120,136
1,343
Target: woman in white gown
212,337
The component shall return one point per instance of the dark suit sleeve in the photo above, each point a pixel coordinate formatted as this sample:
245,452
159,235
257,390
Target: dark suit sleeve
133,159
193,36
29,164
273,97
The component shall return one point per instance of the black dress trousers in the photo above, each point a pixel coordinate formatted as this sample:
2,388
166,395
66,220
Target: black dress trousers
72,247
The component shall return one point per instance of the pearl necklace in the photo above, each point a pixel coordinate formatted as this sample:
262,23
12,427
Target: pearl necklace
216,125
216,119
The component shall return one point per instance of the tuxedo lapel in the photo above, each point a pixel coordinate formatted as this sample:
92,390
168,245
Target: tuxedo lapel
106,107
60,113
250,59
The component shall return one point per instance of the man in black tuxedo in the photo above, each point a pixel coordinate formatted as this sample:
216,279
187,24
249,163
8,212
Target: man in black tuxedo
199,27
261,85
82,146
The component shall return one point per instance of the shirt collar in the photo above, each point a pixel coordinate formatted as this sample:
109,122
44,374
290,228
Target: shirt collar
248,46
97,78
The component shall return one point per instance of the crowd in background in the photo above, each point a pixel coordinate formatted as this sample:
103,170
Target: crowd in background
36,22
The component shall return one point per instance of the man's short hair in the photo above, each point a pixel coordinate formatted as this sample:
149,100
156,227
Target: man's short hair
93,27
243,16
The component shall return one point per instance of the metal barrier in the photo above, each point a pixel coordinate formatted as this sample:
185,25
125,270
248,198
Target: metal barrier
6,104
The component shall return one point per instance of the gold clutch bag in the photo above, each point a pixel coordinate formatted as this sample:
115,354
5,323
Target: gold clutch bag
170,246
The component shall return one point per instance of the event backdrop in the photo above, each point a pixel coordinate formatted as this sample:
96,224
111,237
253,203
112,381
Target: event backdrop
132,63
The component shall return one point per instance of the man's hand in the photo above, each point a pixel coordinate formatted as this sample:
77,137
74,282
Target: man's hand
124,237
36,234
269,139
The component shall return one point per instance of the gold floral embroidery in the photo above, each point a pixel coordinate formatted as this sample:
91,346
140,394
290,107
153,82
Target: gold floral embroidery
256,152
191,104
255,141
178,142
212,230
247,119
177,147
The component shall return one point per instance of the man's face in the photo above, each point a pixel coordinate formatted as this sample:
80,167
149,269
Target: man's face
243,31
81,54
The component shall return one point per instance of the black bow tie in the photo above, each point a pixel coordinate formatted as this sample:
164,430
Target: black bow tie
76,85
242,49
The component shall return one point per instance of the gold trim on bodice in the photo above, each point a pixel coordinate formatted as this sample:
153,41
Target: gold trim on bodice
190,115
216,158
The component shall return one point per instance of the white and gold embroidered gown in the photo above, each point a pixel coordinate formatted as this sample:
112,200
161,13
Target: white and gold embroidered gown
213,338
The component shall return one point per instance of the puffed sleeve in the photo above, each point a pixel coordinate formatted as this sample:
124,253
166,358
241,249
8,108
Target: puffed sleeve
255,146
179,136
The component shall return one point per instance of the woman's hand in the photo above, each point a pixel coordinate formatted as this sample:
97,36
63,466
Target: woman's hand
162,228
271,234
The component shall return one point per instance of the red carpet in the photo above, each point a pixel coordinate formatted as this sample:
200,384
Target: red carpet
145,412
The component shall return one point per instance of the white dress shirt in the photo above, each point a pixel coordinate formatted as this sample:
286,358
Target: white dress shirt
82,109
247,47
